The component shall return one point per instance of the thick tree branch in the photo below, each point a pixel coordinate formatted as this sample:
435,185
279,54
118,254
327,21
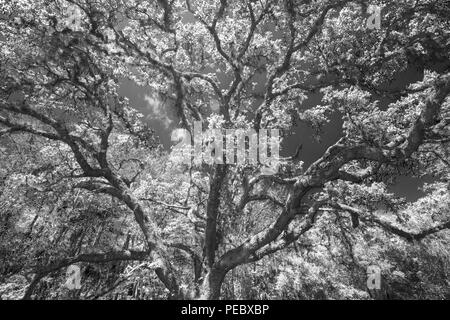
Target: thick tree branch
407,235
212,210
327,169
41,272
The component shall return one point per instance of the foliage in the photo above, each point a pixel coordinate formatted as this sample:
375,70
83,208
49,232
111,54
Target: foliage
84,180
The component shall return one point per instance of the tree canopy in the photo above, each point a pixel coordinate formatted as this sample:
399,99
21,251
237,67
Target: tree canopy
85,180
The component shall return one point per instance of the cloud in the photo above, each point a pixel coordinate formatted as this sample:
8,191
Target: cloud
157,111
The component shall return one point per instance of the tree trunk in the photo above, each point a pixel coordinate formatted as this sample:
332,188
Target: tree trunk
212,284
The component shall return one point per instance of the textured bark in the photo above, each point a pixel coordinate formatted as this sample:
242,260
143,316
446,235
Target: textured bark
155,245
212,211
212,284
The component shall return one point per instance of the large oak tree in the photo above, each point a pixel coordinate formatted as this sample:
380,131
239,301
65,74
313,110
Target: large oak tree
229,64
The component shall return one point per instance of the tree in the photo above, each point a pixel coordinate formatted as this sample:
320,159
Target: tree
62,63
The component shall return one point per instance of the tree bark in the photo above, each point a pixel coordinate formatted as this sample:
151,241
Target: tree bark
212,210
212,284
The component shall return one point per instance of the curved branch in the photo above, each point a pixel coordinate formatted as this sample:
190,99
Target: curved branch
41,272
407,235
